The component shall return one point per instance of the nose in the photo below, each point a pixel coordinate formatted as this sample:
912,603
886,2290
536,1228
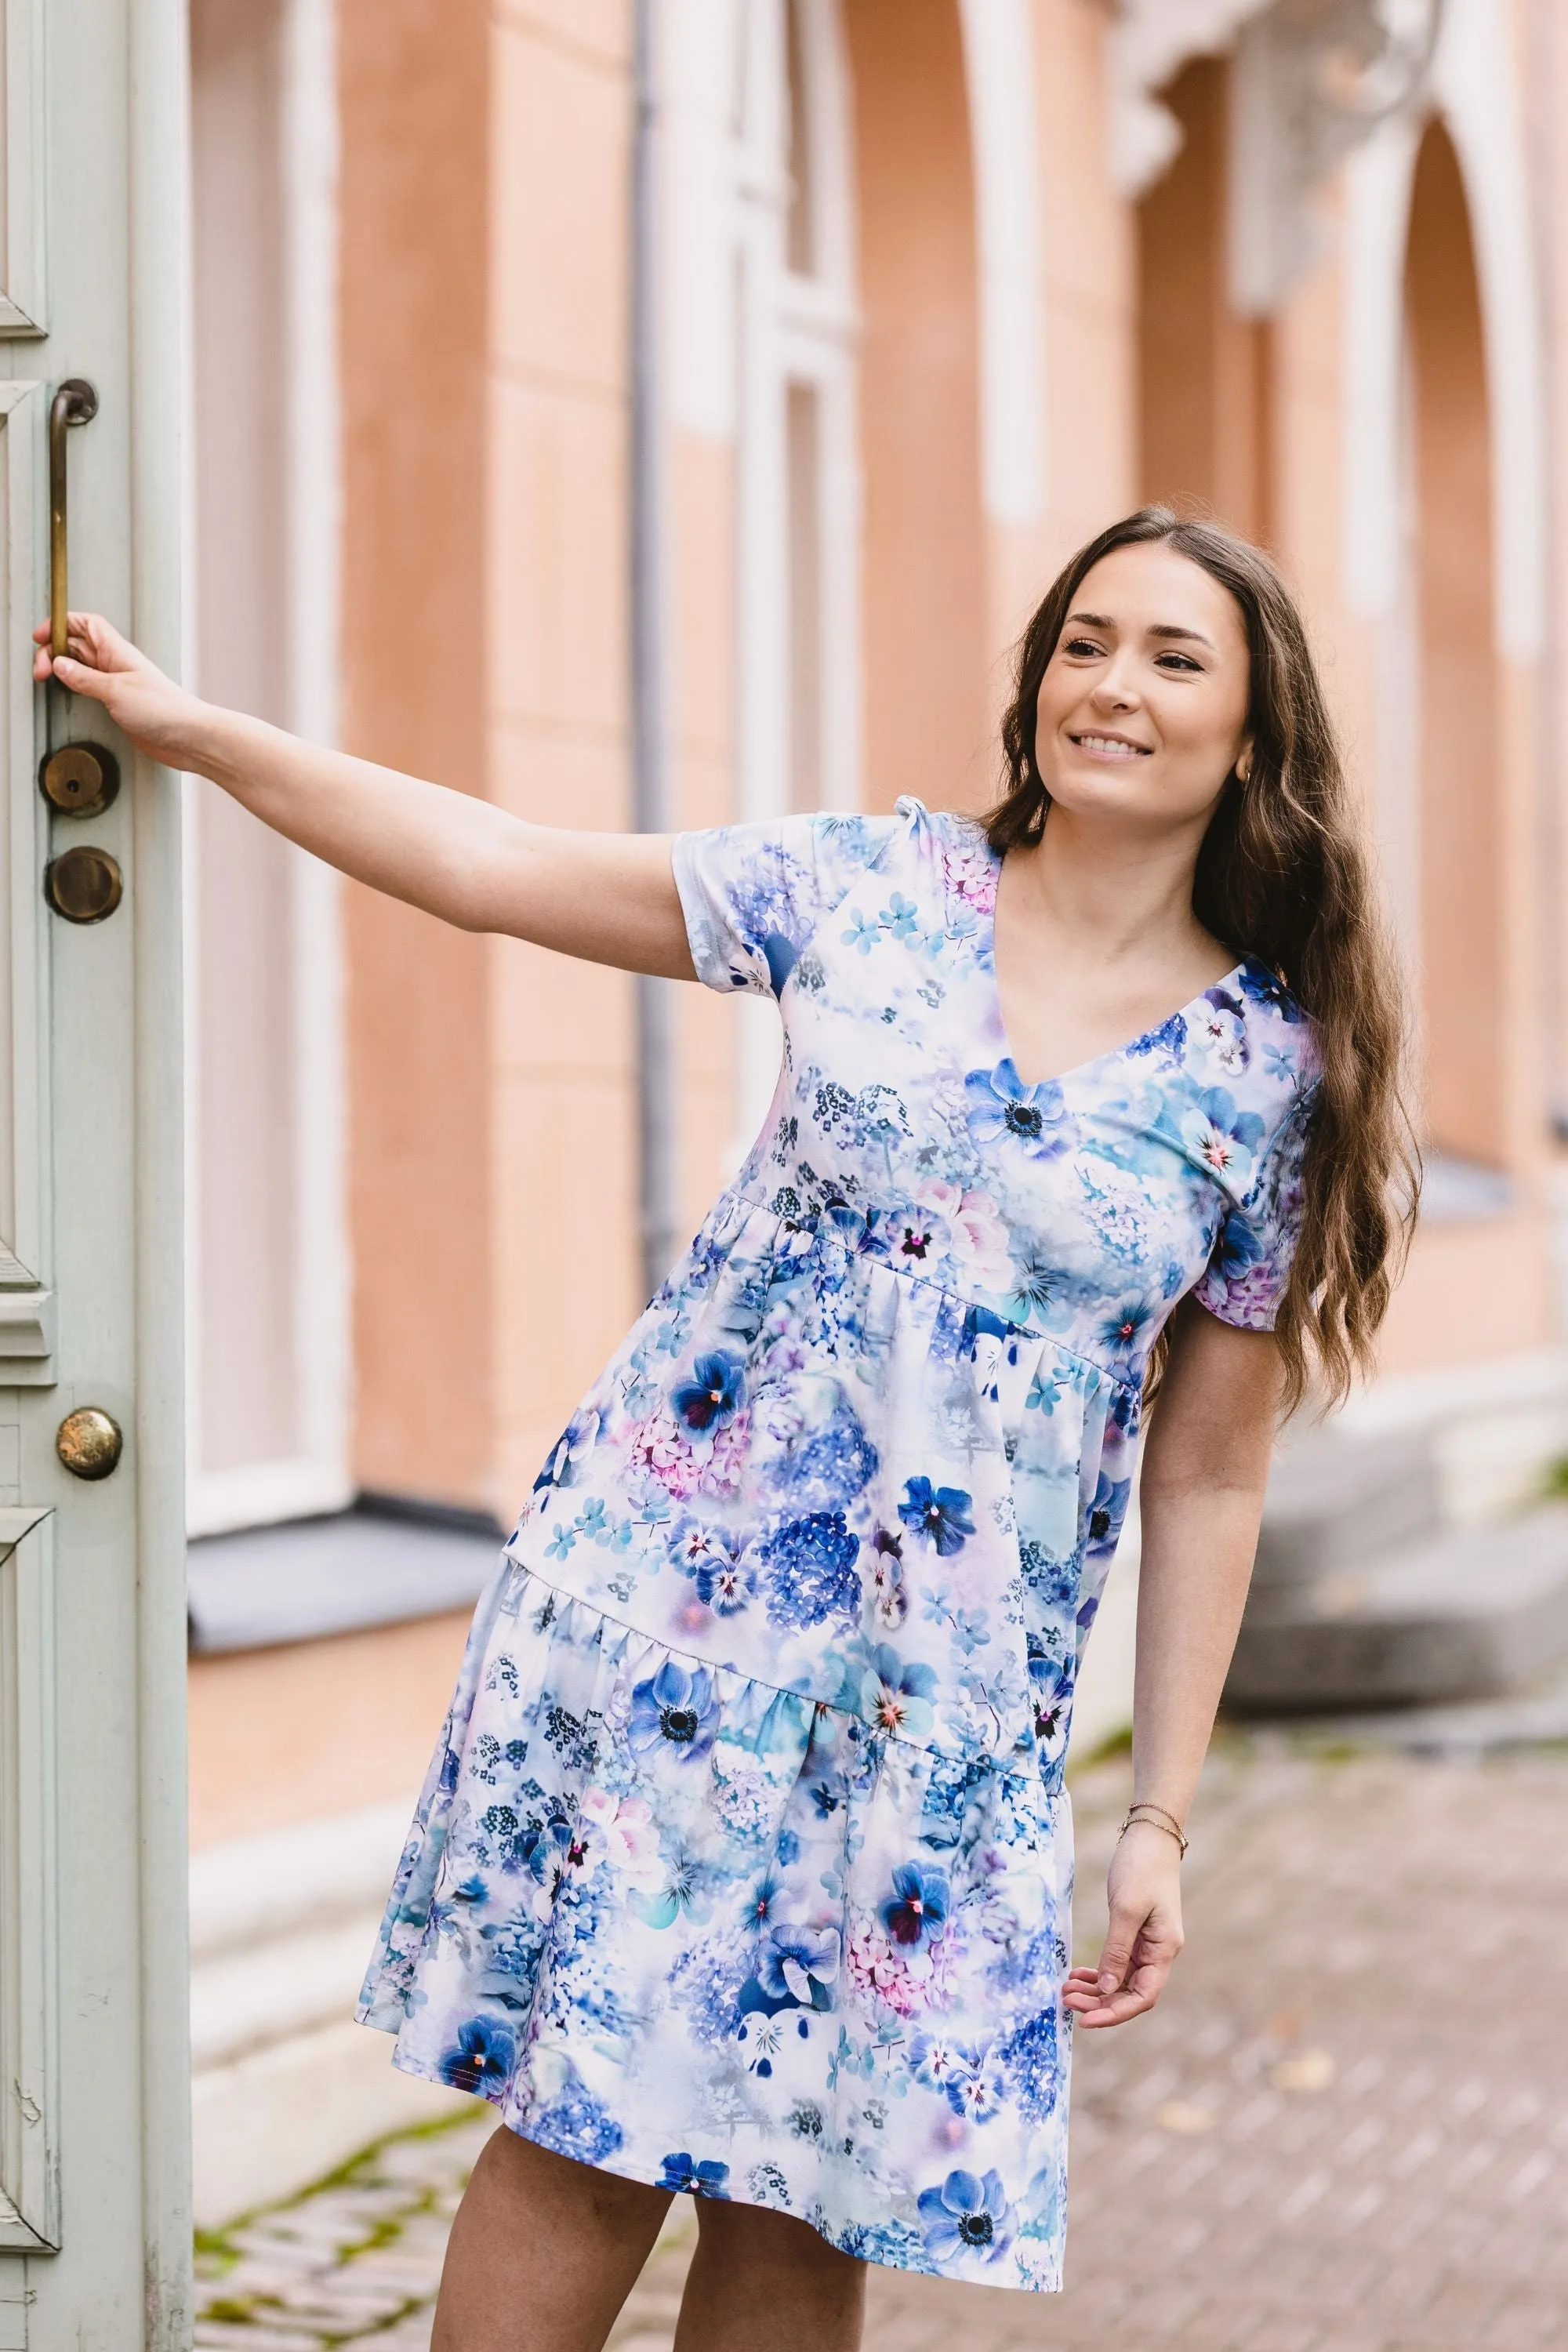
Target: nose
1116,688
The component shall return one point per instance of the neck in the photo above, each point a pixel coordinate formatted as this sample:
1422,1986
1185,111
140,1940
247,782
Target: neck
1124,891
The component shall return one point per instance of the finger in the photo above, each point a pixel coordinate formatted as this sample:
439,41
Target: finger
78,678
1116,1953
1128,2002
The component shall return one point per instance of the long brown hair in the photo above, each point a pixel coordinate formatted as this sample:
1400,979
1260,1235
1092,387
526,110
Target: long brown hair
1282,876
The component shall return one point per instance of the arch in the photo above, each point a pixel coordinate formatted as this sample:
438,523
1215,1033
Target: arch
1458,694
924,595
1204,372
1475,86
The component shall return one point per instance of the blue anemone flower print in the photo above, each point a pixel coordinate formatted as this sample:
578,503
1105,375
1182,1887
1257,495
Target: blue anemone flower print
967,2216
486,2053
942,1515
916,1914
714,1394
1002,1109
1107,1511
896,1694
676,1710
687,2177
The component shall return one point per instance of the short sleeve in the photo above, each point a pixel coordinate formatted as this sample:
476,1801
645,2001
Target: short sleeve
754,893
1249,1264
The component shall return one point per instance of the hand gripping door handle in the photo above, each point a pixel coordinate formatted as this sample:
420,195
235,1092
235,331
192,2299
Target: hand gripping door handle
75,403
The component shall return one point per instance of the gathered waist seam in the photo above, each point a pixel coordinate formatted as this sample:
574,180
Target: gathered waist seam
734,1199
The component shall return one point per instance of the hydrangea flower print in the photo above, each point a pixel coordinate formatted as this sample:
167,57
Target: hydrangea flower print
811,1573
742,1867
967,2217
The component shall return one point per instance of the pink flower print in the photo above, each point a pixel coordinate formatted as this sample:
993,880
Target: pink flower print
622,1832
976,1234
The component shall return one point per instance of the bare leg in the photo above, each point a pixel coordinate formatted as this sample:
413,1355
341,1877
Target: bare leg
543,2253
763,2282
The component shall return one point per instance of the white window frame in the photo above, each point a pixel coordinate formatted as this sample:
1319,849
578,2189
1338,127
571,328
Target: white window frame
316,1477
795,328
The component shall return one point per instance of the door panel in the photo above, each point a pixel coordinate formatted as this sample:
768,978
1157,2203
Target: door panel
29,2119
94,2116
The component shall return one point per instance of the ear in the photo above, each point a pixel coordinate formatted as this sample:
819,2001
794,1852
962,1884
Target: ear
1243,761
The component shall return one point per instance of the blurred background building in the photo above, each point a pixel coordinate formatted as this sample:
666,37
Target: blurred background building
603,432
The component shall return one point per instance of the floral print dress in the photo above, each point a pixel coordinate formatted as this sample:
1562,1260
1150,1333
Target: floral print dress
743,1862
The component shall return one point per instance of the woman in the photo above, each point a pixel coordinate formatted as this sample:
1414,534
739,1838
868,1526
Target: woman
743,1863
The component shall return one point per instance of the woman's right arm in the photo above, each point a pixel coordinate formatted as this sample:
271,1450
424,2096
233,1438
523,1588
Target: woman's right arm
608,897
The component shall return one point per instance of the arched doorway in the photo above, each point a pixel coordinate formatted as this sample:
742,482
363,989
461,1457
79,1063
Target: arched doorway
1458,689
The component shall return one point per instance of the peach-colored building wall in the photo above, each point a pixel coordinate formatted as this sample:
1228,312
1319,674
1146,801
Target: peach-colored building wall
299,1734
924,619
416,228
562,1142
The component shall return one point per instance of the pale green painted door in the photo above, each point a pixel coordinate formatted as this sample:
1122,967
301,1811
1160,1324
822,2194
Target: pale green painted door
94,2126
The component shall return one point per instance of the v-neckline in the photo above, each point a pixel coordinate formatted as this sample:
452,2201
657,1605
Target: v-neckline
1111,1053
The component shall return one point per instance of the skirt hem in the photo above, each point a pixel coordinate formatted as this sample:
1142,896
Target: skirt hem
407,2065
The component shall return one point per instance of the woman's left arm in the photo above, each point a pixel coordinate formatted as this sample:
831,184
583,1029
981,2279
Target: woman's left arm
1205,1465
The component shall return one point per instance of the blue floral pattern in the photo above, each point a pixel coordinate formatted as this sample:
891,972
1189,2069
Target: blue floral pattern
743,1863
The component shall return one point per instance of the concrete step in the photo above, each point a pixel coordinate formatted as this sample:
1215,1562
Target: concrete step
1466,1614
1333,1504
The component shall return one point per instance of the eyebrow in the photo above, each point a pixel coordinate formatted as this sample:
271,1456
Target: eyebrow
1159,629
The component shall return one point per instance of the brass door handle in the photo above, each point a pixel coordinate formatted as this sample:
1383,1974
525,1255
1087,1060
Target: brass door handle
75,403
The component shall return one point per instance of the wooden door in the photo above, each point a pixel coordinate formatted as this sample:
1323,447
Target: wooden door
94,2111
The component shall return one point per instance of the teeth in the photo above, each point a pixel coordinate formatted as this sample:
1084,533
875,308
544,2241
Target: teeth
1115,745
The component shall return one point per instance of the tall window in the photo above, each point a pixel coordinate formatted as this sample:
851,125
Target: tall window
267,1278
799,507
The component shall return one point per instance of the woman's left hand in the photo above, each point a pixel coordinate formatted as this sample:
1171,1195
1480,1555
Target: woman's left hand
1144,1935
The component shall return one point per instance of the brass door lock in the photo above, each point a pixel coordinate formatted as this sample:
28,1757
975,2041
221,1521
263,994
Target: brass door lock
89,1443
80,779
85,886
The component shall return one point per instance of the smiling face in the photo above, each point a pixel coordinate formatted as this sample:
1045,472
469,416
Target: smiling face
1141,712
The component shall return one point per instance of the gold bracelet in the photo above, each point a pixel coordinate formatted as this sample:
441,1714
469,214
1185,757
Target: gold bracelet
1147,1805
1141,1813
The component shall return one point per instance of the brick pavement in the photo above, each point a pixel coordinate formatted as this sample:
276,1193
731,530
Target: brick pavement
1346,2130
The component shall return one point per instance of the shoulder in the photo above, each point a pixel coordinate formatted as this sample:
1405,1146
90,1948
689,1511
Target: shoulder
951,844
1284,1038
1238,1068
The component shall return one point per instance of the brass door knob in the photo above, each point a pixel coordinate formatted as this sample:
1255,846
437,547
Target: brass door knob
89,1443
84,885
80,779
